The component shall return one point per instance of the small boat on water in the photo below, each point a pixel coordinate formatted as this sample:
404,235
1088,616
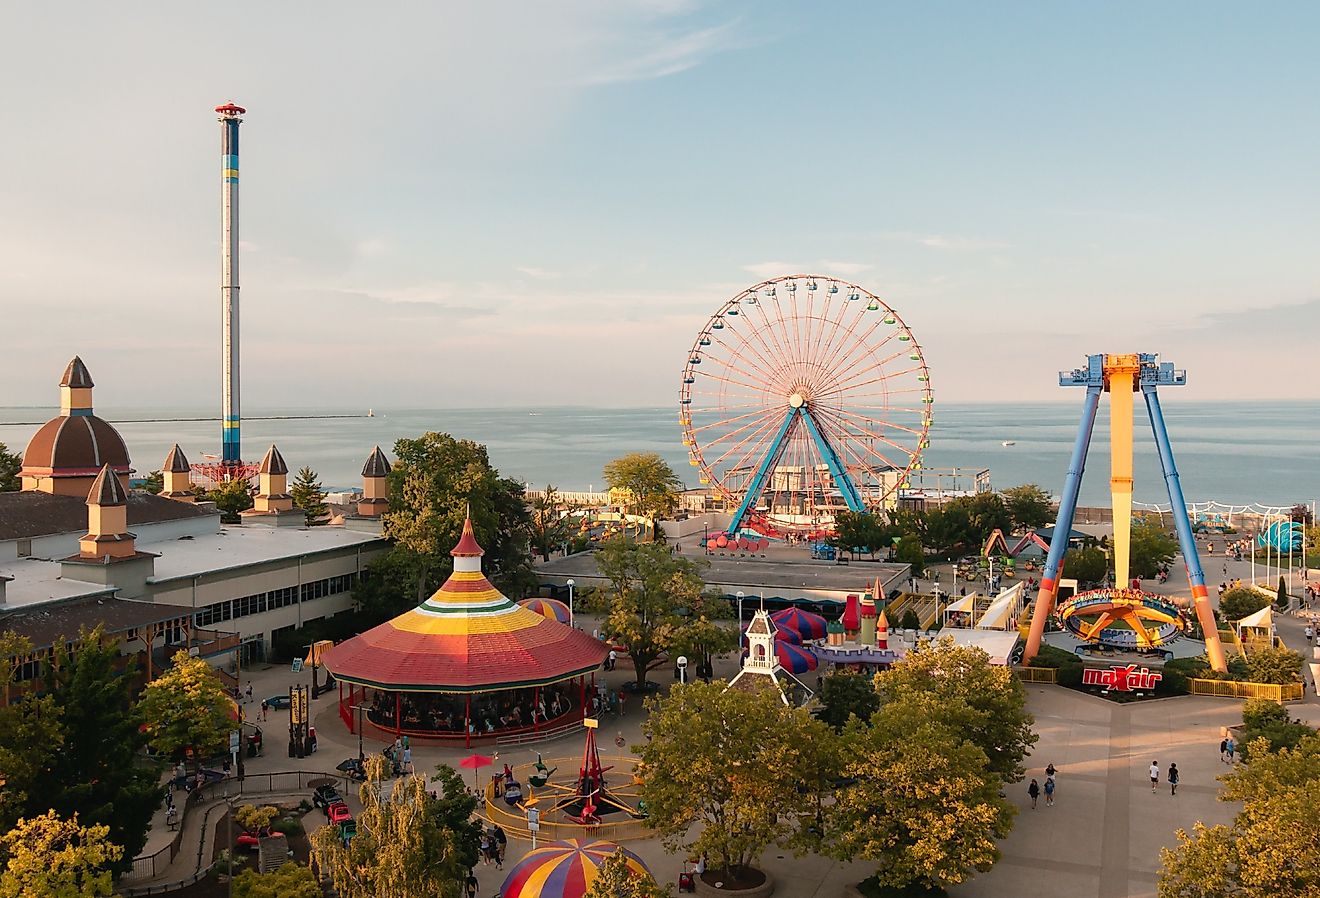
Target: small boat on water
1010,442
371,413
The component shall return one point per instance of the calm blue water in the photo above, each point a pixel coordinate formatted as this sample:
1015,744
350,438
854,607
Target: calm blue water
1235,453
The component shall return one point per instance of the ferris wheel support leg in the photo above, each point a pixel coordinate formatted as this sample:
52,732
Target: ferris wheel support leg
1072,485
1205,615
763,471
831,458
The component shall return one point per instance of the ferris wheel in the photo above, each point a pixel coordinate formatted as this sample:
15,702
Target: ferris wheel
803,396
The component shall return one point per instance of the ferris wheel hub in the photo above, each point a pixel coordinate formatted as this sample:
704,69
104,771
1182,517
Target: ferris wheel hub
796,400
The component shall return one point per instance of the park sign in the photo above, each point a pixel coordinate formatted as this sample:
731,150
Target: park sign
1122,678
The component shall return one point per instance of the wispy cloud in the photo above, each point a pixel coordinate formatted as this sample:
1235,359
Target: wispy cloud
665,55
541,274
943,241
821,266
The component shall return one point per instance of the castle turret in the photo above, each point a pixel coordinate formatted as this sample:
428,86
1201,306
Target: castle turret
852,619
868,620
107,520
273,485
882,632
375,499
177,474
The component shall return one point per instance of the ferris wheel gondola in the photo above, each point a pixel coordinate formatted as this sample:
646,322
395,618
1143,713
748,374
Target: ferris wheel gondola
804,396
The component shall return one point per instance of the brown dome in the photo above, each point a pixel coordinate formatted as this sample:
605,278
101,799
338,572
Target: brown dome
75,446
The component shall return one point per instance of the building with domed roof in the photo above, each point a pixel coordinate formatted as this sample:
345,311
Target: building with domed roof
68,452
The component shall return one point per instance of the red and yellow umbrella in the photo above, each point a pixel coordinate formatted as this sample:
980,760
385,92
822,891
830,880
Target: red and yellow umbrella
564,869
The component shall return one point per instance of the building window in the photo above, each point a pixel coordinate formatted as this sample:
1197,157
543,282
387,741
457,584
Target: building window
25,548
246,606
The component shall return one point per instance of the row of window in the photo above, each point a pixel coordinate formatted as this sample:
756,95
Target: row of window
273,600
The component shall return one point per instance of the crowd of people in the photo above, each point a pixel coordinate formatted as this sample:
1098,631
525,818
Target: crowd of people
511,709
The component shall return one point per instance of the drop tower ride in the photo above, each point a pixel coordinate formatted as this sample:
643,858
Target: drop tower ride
231,456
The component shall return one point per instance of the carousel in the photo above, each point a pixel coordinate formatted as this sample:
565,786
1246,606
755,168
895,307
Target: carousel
466,664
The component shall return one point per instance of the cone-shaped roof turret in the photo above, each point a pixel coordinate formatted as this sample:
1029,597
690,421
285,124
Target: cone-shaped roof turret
273,462
467,547
76,375
106,489
377,464
176,462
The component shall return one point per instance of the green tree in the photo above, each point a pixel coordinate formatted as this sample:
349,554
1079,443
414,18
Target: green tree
1152,548
401,849
1028,506
1267,724
292,880
153,483
648,484
310,497
844,694
1281,597
617,880
549,523
656,601
230,498
984,703
1271,849
1238,602
948,529
731,761
927,803
437,482
1087,564
862,530
186,707
454,809
10,464
254,819
986,513
910,552
53,857
388,587
97,776
1274,665
31,734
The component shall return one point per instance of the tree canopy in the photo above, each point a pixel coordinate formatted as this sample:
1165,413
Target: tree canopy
863,530
153,483
1272,847
843,694
401,848
1029,506
1152,548
437,482
52,857
292,880
186,707
1238,602
10,464
656,604
1087,564
549,526
731,761
230,498
647,483
308,495
617,880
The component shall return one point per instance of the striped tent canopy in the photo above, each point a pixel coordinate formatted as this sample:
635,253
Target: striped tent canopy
783,634
794,658
465,638
564,869
810,626
552,609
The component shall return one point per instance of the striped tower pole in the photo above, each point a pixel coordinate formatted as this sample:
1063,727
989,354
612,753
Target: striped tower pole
231,452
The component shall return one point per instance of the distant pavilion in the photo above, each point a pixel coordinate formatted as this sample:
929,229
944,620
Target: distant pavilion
468,663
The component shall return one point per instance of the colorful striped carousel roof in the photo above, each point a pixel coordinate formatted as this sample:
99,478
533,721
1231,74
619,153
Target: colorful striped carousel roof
467,637
564,869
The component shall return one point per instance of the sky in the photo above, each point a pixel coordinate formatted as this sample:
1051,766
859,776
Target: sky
519,204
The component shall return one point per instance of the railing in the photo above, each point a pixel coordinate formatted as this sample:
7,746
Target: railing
1037,674
148,866
524,737
551,830
1288,692
214,642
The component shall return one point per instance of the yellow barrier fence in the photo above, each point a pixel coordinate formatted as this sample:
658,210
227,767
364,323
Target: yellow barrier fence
513,819
1289,692
1037,674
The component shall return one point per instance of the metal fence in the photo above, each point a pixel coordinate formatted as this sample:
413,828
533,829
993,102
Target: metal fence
1289,692
149,866
1037,674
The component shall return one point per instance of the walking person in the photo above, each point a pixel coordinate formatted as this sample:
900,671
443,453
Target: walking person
471,884
483,848
264,706
1034,791
249,693
501,845
1232,749
1049,791
1050,771
1154,775
1223,750
1173,779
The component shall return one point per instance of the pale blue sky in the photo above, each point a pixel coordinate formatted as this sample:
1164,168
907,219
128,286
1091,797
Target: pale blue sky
542,202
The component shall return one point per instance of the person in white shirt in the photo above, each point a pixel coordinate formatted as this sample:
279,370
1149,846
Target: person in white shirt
1154,775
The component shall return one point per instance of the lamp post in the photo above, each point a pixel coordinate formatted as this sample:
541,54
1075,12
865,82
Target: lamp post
362,758
740,601
571,584
229,801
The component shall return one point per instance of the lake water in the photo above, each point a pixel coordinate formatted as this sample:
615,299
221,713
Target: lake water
1231,452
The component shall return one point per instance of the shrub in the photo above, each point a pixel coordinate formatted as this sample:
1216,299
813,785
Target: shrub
1272,665
910,621
1259,712
1240,601
290,826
